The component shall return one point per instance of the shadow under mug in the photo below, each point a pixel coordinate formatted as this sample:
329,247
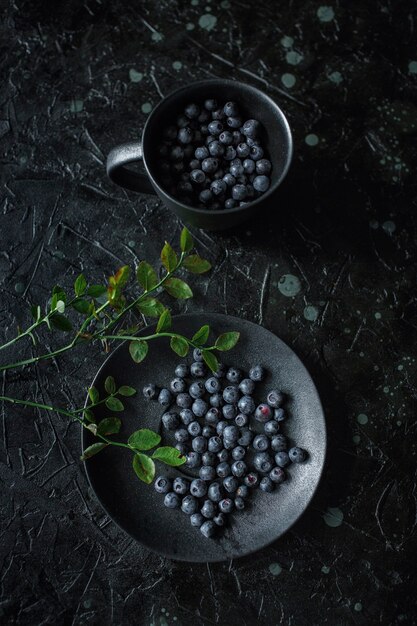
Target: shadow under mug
252,102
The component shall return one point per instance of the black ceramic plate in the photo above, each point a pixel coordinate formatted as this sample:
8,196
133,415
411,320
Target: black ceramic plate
139,510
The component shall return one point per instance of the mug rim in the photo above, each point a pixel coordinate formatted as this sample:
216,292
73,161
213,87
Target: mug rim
224,81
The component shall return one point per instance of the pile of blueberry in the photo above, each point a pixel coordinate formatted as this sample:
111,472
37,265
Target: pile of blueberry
210,417
212,158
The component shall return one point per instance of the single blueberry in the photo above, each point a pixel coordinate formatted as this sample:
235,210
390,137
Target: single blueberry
238,453
208,431
261,183
198,355
263,413
275,398
226,137
196,389
150,391
221,426
228,444
279,443
282,459
251,479
198,488
277,475
171,420
230,203
279,414
231,433
223,456
215,444
229,179
239,192
234,375
239,469
240,504
242,491
165,397
251,128
256,153
214,492
215,127
209,458
248,166
297,455
207,472
246,405
223,470
162,484
189,505
199,407
266,485
198,370
172,501
218,114
201,153
196,520
209,139
241,420
236,168
182,448
229,411
212,385
247,386
231,109
209,165
238,137
198,177
194,164
205,196
182,120
193,460
263,166
263,462
181,435
234,122
199,444
187,416
216,149
230,483
194,429
260,443
243,150
216,400
246,437
257,373
271,428
220,519
218,187
218,175
226,505
208,529
212,416
177,385
231,394
229,153
185,135
184,400
211,104
192,111
180,485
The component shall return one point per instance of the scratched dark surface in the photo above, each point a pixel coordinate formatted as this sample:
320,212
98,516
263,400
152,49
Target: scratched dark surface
331,269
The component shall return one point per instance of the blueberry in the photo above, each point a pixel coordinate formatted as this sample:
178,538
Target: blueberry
196,520
275,398
209,165
251,479
194,429
239,503
243,203
263,462
246,405
214,492
239,469
212,416
185,135
172,501
243,150
260,443
215,444
215,127
182,121
212,385
189,505
216,149
198,355
229,153
241,420
218,114
208,529
231,433
271,428
171,420
205,196
246,437
238,453
226,505
181,435
263,413
192,111
230,203
199,444
256,153
220,519
257,373
279,443
184,400
165,397
182,448
207,472
198,488
209,139
261,183
208,431
236,168
238,137
230,483
247,386
218,187
266,485
209,458
170,132
198,370
196,390
177,385
193,460
223,470
228,445
242,491
177,154
263,166
297,455
229,180
251,128
194,164
231,109
229,411
279,414
180,486
221,426
201,153
282,459
187,416
150,391
223,456
198,177
226,137
162,484
182,370
231,394
199,407
216,400
277,475
211,104
234,122
239,192
248,166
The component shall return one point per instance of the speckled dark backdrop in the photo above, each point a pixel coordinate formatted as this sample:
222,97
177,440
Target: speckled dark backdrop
331,270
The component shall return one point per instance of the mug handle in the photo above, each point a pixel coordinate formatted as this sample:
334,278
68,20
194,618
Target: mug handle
120,156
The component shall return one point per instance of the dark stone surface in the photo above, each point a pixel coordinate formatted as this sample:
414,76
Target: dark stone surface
344,227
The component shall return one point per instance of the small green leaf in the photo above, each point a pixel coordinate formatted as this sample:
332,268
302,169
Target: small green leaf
109,384
146,275
80,285
144,467
60,306
196,265
201,336
138,350
186,241
114,404
92,450
60,322
59,292
54,300
125,390
179,345
164,322
36,312
116,285
94,395
109,426
151,307
144,439
177,288
168,257
211,360
82,306
95,291
227,341
169,456
88,415
92,428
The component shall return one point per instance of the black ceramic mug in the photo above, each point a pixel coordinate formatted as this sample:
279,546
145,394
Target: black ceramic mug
252,102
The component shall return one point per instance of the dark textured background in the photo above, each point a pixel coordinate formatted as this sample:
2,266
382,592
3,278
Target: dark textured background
331,269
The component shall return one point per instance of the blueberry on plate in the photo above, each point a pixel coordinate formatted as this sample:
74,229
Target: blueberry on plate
212,416
256,153
218,187
282,459
187,416
198,355
223,470
209,165
189,505
234,122
297,455
277,475
181,435
231,394
279,443
263,166
207,472
238,453
279,414
220,519
229,180
150,391
221,426
172,501
271,428
246,437
216,149
223,456
199,444
193,460
201,153
266,484
171,420
211,104
231,109
240,504
197,176
261,183
251,479
226,505
263,462
198,487
196,520
251,128
208,431
208,529
215,444
230,483
165,397
239,192
209,508
275,398
243,150
246,405
229,153
242,491
226,138
231,433
205,196
247,386
185,135
229,411
192,111
239,468
215,127
241,420
194,428
263,413
248,166
182,370
257,373
162,484
212,385
209,458
260,443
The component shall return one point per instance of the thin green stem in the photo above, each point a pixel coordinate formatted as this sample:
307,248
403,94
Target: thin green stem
155,336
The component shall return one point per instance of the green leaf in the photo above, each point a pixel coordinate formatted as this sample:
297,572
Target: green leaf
227,341
60,322
92,450
196,265
60,306
95,291
144,467
138,350
59,292
177,288
94,395
125,390
186,241
211,360
164,322
201,336
146,275
92,428
179,345
151,307
169,456
36,312
114,404
88,415
82,306
168,257
54,300
109,384
144,439
80,285
109,426
116,285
